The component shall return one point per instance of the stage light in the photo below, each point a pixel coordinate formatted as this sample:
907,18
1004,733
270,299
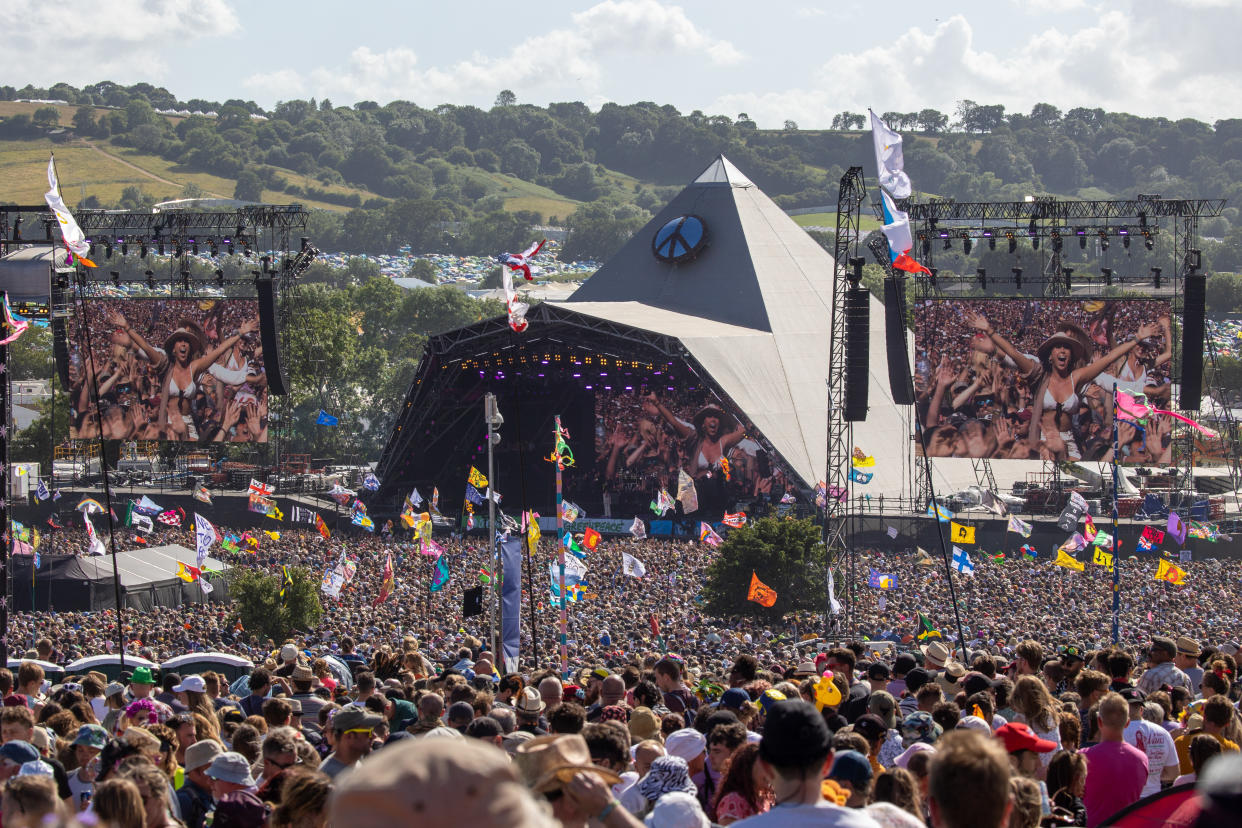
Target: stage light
931,277
161,248
1032,229
177,249
1125,242
991,242
305,243
926,243
1148,241
17,229
1056,240
1142,219
967,243
948,244
1103,240
1194,259
150,279
1108,275
94,246
116,277
219,277
982,273
1034,242
124,247
1069,272
1017,278
1155,277
215,248
142,249
194,246
108,249
1081,232
228,245
1013,243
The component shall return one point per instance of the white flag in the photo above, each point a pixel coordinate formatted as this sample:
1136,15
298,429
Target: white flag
888,159
896,227
833,603
96,545
204,536
638,529
632,566
74,239
416,498
207,587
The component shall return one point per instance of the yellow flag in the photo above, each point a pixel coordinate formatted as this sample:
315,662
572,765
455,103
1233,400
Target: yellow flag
1066,560
276,513
272,535
1102,558
962,534
476,479
1170,572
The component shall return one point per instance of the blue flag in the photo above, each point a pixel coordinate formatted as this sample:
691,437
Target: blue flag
881,580
962,562
861,476
440,577
473,495
938,511
371,483
326,419
510,603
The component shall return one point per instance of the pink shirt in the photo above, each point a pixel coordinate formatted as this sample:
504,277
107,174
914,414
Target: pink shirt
1116,773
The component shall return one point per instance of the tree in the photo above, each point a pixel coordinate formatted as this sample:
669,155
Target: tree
84,120
787,555
33,444
46,116
249,187
424,270
791,126
192,190
932,121
506,98
257,597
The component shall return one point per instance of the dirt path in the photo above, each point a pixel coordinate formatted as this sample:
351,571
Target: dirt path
138,169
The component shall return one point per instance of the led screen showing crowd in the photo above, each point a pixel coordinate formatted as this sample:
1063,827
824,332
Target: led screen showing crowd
168,369
644,435
1032,379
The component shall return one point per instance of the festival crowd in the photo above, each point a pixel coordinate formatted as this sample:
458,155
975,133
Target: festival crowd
668,716
1034,379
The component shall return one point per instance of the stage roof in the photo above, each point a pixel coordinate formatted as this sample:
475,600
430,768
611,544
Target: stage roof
136,566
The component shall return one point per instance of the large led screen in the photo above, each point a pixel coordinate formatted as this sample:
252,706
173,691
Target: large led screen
168,369
1032,379
646,434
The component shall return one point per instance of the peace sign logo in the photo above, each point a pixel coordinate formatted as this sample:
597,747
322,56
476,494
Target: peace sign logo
680,239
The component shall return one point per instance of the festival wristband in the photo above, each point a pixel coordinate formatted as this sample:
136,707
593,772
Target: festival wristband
608,809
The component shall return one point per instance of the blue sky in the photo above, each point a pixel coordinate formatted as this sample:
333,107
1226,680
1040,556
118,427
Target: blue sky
775,60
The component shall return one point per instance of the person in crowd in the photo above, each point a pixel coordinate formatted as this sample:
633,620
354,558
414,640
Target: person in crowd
353,729
968,782
1116,770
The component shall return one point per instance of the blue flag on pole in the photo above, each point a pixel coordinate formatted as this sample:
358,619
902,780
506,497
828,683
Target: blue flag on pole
473,495
510,603
861,476
326,419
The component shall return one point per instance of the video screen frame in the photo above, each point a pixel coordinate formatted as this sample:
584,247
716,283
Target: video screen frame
1032,378
177,369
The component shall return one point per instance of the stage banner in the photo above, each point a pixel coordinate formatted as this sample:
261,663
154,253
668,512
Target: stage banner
663,528
511,603
605,526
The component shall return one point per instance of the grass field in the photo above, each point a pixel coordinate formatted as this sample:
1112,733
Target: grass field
866,222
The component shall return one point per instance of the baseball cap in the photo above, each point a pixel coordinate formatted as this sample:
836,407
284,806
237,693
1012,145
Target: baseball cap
794,735
191,684
870,726
91,735
355,718
769,698
879,671
1018,736
916,678
734,698
850,766
288,652
919,726
1133,695
18,752
883,704
976,682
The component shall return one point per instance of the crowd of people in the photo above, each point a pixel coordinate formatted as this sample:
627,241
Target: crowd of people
668,715
1034,379
175,369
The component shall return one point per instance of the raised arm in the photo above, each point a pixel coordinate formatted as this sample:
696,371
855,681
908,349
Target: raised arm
156,356
654,407
202,363
944,378
1166,331
1089,372
980,323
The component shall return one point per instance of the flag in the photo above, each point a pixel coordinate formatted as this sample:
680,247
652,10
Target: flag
273,535
472,602
169,518
1153,535
881,580
301,515
285,584
708,536
258,488
567,540
371,483
1089,531
861,477
41,492
663,502
891,532
962,562
1199,530
440,575
360,519
1103,539
632,566
760,592
821,495
475,478
262,505
925,630
961,533
1102,558
1029,551
1171,572
889,160
206,586
75,240
686,492
1075,543
435,499
416,498
1144,544
204,536
1183,556
322,527
860,460
429,547
734,520
339,493
95,546
202,496
900,240
90,506
569,511
135,518
326,419
1066,560
485,577
590,538
496,496
654,623
388,582
1019,526
531,521
937,511
1070,515
275,513
993,504
1177,528
924,558
188,573
999,557
638,529
788,497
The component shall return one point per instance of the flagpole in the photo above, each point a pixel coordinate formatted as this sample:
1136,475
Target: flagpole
560,525
1116,560
944,548
493,420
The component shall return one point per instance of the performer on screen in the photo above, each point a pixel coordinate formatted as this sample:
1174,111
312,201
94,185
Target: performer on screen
182,361
706,440
1058,375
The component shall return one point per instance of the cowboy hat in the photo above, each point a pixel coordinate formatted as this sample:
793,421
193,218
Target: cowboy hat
727,421
188,330
548,762
1067,335
936,652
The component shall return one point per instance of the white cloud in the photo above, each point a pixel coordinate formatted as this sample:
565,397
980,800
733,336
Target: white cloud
121,39
557,58
1116,59
281,84
810,11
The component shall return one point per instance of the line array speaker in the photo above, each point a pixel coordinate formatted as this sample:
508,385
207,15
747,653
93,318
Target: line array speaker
276,382
895,335
1192,341
857,340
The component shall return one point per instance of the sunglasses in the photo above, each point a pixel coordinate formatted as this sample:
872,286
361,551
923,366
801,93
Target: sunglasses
364,730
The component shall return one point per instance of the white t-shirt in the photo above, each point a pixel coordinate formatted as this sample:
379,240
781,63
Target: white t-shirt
822,814
1156,742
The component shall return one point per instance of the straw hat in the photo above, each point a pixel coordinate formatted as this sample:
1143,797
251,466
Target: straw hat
188,330
549,762
1067,335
